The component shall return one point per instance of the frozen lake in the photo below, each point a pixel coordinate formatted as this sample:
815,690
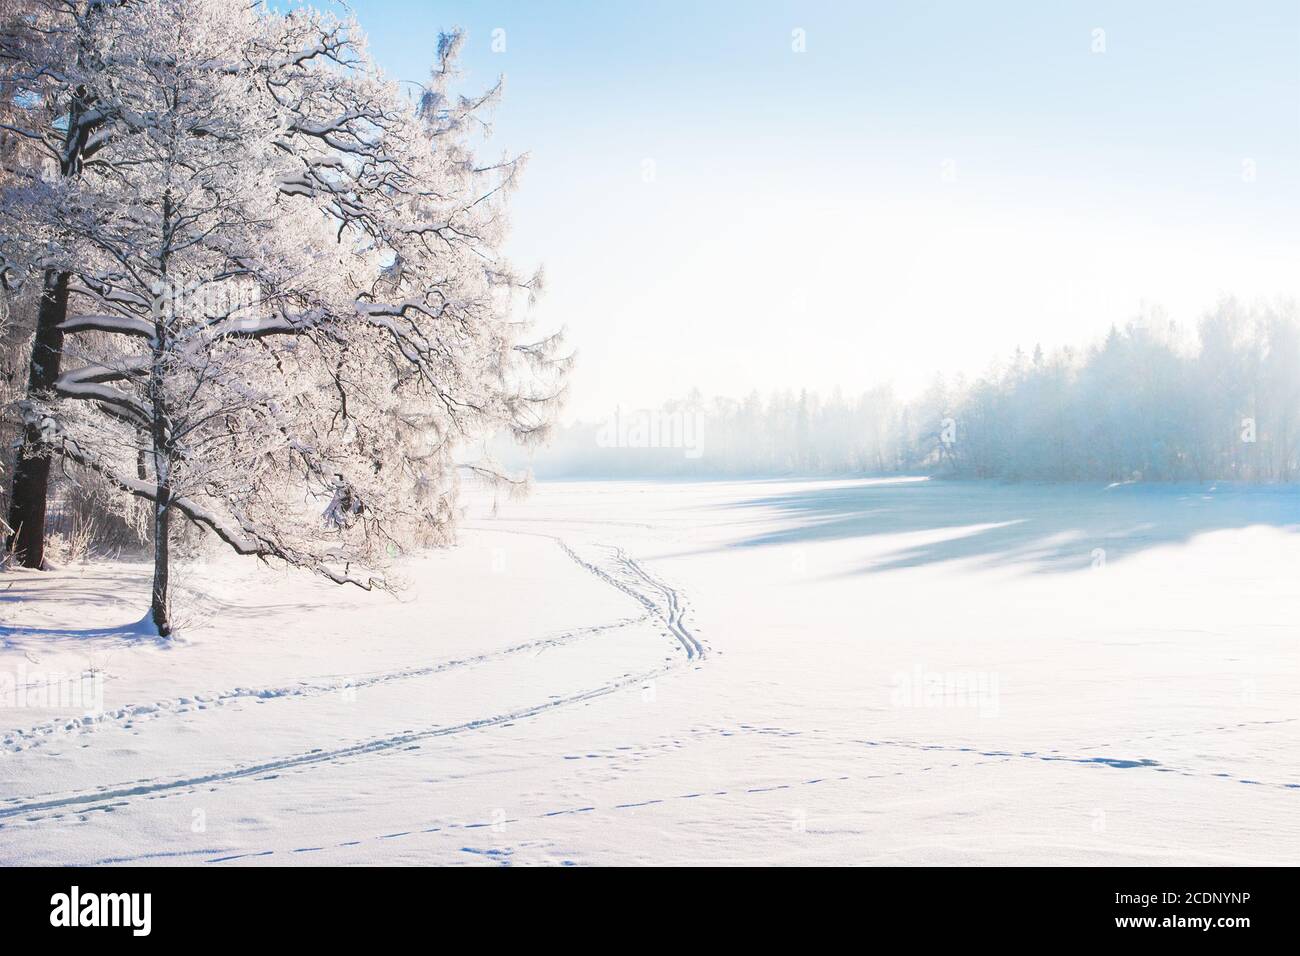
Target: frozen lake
877,672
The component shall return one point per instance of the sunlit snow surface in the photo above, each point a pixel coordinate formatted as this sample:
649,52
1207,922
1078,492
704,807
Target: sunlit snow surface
912,672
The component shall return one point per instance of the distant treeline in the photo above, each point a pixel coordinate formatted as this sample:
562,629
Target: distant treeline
1149,401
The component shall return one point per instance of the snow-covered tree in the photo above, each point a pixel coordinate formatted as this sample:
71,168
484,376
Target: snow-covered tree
49,127
288,312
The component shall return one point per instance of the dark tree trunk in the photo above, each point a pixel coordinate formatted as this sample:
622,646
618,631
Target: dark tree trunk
32,470
160,430
161,605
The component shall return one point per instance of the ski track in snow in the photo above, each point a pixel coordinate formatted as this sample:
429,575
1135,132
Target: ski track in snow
502,854
109,798
18,740
626,567
694,649
377,745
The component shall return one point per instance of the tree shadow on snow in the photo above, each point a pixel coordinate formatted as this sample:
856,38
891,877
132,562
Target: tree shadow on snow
1040,526
141,631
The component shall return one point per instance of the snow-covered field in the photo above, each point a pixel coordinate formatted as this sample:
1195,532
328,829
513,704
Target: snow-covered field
884,672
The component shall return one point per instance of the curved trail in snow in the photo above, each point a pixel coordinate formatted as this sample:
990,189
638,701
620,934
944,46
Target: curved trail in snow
17,740
105,796
676,613
671,614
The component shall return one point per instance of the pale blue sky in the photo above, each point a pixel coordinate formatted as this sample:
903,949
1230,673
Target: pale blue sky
926,187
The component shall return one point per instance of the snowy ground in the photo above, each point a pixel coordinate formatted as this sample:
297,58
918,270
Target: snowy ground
764,672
